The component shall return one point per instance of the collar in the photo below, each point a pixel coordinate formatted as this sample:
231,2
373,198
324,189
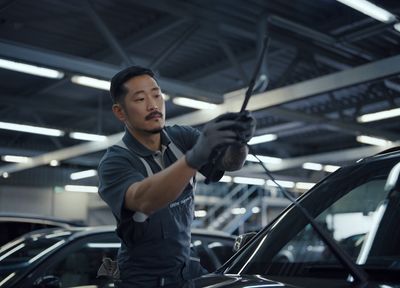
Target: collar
139,148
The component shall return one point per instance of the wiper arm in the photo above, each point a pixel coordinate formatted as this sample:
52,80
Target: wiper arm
357,272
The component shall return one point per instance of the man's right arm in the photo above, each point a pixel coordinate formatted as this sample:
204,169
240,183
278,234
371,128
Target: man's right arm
160,189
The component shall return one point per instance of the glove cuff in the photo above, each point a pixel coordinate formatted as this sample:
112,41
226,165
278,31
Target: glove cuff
192,160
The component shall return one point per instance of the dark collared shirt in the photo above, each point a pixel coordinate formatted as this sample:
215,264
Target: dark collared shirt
160,245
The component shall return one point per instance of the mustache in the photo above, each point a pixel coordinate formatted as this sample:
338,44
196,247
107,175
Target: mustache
152,114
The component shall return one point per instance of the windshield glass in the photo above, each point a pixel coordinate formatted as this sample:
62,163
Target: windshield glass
18,256
353,208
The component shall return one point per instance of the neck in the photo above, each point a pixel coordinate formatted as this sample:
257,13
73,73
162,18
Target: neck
151,141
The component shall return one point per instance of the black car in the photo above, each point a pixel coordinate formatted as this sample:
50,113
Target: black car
71,257
13,225
356,242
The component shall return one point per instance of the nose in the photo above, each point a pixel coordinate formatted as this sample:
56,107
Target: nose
152,105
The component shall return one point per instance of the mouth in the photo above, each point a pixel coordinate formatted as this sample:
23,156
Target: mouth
154,115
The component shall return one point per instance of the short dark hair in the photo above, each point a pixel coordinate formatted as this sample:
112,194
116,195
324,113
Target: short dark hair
117,89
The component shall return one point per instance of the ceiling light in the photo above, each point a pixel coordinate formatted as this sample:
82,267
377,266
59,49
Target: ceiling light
247,180
5,175
15,159
83,174
283,183
87,136
264,159
304,185
397,27
379,115
255,210
31,129
370,9
238,211
373,140
226,179
312,166
31,69
165,96
91,82
200,213
54,163
331,168
262,139
196,104
81,188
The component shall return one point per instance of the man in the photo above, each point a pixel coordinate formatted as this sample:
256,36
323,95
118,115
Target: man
148,179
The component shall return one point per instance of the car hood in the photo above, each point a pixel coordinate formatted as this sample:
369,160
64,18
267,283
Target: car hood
236,281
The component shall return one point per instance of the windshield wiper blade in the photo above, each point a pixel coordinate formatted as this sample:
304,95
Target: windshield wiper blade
357,272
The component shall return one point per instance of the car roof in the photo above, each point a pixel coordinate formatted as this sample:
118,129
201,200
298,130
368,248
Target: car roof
38,219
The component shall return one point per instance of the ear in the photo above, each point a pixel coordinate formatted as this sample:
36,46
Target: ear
119,112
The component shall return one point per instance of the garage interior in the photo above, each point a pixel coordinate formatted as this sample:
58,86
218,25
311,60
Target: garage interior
329,69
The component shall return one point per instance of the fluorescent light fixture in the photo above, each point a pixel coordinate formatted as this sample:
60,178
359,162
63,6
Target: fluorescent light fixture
31,69
54,163
397,27
264,159
247,180
373,140
5,175
331,168
226,179
31,129
304,185
104,245
312,166
15,159
91,82
255,210
379,115
283,183
81,188
191,103
87,136
83,174
238,211
370,9
200,213
262,139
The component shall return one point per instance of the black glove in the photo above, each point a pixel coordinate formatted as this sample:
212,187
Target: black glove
246,124
215,134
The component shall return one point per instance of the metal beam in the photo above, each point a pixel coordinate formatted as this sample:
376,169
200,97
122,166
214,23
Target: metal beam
368,72
93,68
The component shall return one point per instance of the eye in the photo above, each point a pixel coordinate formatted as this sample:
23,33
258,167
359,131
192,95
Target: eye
139,99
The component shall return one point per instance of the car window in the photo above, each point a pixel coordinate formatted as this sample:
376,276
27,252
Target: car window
78,264
353,208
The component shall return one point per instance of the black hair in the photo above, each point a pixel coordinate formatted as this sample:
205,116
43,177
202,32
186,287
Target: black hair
117,89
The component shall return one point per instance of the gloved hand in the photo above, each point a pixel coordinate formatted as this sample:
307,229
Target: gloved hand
246,124
217,133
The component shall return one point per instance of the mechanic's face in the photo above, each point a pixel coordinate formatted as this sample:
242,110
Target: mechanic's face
143,109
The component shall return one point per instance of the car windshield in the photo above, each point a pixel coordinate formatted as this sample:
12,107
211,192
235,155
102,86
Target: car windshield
19,255
353,207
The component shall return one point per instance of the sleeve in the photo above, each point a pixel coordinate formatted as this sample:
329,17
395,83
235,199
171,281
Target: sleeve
116,174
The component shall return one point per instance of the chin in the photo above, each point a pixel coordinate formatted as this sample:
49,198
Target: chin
155,130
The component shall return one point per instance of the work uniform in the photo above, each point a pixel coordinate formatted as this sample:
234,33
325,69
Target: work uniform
155,250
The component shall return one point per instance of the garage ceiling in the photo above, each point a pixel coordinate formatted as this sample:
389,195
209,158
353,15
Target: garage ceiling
327,64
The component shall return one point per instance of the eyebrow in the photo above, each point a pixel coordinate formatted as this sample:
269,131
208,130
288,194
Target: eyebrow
142,91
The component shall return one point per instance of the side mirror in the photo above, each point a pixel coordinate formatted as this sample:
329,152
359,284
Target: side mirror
49,281
241,240
393,181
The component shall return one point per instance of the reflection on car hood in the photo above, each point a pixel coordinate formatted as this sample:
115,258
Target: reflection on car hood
236,281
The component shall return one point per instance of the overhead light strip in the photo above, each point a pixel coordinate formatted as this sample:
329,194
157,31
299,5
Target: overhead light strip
91,82
262,139
370,117
373,140
191,103
87,136
31,69
31,129
370,9
81,188
83,174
